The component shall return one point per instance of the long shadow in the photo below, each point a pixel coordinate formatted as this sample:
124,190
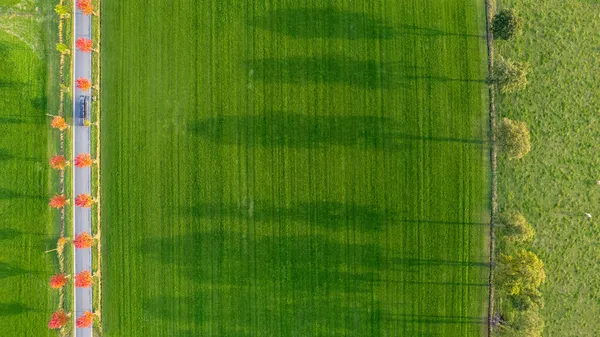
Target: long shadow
438,319
323,23
329,215
278,128
332,23
10,120
302,262
9,233
5,155
408,264
9,194
442,222
13,308
331,70
7,270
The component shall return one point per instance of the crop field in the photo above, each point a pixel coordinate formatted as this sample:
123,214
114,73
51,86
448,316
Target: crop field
556,183
275,169
26,229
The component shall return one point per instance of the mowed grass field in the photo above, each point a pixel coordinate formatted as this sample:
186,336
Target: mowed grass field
273,168
556,183
27,228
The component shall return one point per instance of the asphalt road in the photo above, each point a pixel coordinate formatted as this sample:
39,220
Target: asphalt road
82,177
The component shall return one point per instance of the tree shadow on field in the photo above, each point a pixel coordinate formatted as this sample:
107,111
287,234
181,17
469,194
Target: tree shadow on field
331,70
13,308
332,23
10,120
9,194
9,233
302,262
7,270
438,319
39,103
278,128
415,264
5,155
419,222
323,23
329,215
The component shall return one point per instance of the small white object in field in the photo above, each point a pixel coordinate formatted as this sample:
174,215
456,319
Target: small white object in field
588,215
598,182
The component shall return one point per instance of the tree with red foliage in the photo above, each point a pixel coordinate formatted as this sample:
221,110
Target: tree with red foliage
83,83
86,320
84,200
84,279
59,123
84,45
58,201
58,162
83,240
58,281
86,7
84,160
58,320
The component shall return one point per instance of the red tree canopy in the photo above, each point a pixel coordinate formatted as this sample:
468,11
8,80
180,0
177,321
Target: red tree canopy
82,4
88,10
84,279
84,200
58,201
58,281
83,160
58,162
58,320
86,320
83,83
59,123
84,45
83,240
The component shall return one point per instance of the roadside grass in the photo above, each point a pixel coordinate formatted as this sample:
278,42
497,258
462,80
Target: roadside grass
276,170
28,90
556,183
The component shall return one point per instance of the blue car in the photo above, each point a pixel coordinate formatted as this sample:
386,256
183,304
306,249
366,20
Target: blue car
84,106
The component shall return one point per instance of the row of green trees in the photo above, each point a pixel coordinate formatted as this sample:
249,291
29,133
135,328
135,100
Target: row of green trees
518,272
518,275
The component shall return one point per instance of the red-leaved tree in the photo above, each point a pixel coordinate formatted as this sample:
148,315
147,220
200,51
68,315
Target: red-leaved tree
58,281
59,123
86,320
58,201
83,83
84,45
83,240
58,162
84,200
58,320
88,10
81,4
84,160
84,279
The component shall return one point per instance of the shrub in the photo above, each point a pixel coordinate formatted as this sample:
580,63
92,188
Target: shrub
514,138
520,274
514,228
509,75
506,24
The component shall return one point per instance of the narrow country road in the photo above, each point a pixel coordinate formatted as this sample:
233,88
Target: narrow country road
82,176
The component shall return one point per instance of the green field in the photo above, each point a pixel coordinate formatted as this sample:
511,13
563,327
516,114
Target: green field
556,183
25,233
274,169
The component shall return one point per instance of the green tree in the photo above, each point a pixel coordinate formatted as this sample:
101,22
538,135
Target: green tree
62,11
62,48
520,274
506,24
513,138
514,228
510,76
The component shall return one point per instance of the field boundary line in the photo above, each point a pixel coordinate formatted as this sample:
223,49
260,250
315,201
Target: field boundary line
489,6
98,171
